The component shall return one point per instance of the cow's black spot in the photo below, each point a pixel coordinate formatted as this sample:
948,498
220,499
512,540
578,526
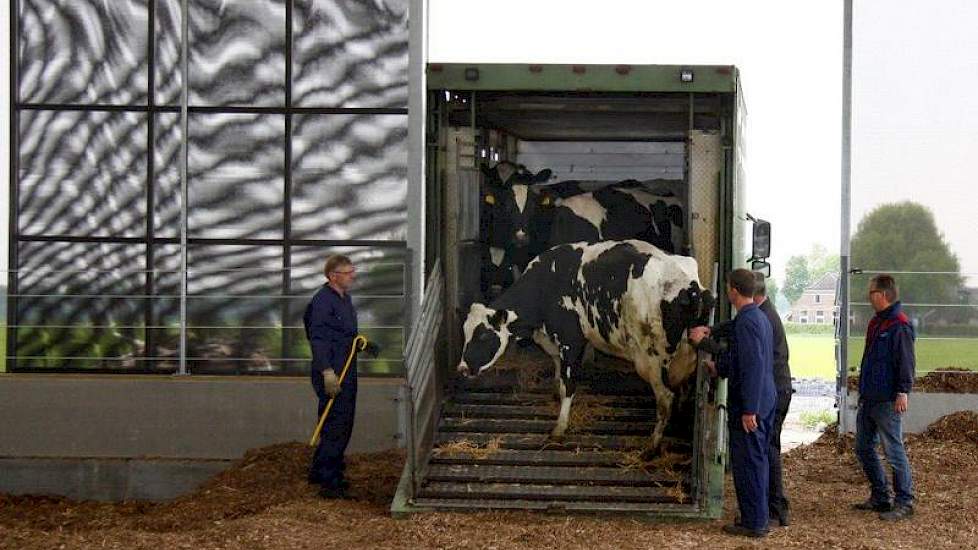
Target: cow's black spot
606,280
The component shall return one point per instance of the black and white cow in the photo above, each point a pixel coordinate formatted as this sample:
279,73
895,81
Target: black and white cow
628,299
511,217
622,211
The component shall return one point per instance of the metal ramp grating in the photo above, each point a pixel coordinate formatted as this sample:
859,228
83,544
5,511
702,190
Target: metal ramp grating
493,450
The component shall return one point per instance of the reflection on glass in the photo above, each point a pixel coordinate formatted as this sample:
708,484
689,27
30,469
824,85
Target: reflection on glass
236,170
349,177
82,173
350,54
83,52
237,52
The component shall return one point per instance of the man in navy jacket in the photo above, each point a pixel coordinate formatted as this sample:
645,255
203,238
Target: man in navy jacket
886,377
748,366
331,326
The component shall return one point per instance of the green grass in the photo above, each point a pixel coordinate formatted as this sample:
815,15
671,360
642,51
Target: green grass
813,418
813,356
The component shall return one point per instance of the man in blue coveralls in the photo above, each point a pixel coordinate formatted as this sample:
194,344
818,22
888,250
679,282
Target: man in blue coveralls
331,325
748,364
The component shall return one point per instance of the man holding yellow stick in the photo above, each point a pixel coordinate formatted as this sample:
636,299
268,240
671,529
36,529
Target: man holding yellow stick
331,328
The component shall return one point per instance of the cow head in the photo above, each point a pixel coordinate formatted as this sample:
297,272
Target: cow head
690,308
486,336
510,203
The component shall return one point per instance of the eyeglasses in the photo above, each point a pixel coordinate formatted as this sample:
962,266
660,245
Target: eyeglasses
347,272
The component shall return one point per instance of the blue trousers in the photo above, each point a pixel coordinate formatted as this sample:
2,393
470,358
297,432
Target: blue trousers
877,422
749,462
328,463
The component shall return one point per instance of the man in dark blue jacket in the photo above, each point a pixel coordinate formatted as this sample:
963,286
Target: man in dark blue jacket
331,326
748,366
886,377
777,501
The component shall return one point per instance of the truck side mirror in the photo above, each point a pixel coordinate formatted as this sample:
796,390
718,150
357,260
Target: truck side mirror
761,267
761,246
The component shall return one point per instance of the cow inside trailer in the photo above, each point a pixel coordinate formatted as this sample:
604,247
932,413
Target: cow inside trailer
595,125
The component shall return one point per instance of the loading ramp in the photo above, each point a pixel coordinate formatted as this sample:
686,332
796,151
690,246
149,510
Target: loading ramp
492,449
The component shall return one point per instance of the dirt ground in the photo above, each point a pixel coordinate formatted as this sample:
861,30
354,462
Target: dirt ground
264,502
949,380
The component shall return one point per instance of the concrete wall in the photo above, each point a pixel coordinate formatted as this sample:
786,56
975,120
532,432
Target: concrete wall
925,408
115,437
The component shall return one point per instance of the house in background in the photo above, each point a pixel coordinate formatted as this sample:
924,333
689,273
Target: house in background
816,305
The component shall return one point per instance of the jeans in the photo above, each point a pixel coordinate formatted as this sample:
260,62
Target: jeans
877,422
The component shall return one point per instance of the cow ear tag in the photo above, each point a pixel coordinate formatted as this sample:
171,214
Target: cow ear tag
545,201
490,199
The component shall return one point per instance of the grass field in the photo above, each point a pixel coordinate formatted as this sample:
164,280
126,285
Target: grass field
814,356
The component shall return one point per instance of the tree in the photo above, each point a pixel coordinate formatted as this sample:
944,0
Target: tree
771,286
904,237
796,277
821,262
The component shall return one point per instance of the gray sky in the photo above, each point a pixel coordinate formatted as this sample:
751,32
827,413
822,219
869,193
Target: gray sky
915,113
915,106
789,54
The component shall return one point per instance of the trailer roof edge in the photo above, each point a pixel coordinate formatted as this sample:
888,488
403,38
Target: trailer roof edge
582,78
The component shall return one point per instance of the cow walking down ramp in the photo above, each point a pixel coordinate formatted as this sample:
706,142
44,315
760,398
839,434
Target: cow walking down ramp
628,299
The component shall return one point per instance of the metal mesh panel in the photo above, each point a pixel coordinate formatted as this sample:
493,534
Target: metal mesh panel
236,175
82,173
349,177
704,177
237,52
82,51
350,54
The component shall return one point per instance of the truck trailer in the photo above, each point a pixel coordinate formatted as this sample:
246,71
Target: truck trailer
666,125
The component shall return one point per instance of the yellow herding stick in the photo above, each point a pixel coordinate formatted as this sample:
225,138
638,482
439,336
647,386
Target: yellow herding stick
359,343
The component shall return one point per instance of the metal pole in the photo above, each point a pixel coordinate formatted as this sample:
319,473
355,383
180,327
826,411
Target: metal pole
184,195
417,118
843,344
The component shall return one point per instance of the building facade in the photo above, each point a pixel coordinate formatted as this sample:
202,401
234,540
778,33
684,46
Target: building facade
817,304
149,203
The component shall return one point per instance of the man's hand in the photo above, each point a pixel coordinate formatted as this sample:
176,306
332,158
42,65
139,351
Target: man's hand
711,367
696,334
749,421
331,382
371,349
900,405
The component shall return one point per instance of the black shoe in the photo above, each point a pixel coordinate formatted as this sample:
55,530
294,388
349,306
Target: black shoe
900,511
741,531
344,485
313,479
782,517
870,506
333,493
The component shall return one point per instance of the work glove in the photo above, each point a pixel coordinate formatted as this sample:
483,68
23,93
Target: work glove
331,382
371,349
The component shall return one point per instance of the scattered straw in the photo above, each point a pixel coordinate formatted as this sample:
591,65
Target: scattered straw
586,410
467,448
